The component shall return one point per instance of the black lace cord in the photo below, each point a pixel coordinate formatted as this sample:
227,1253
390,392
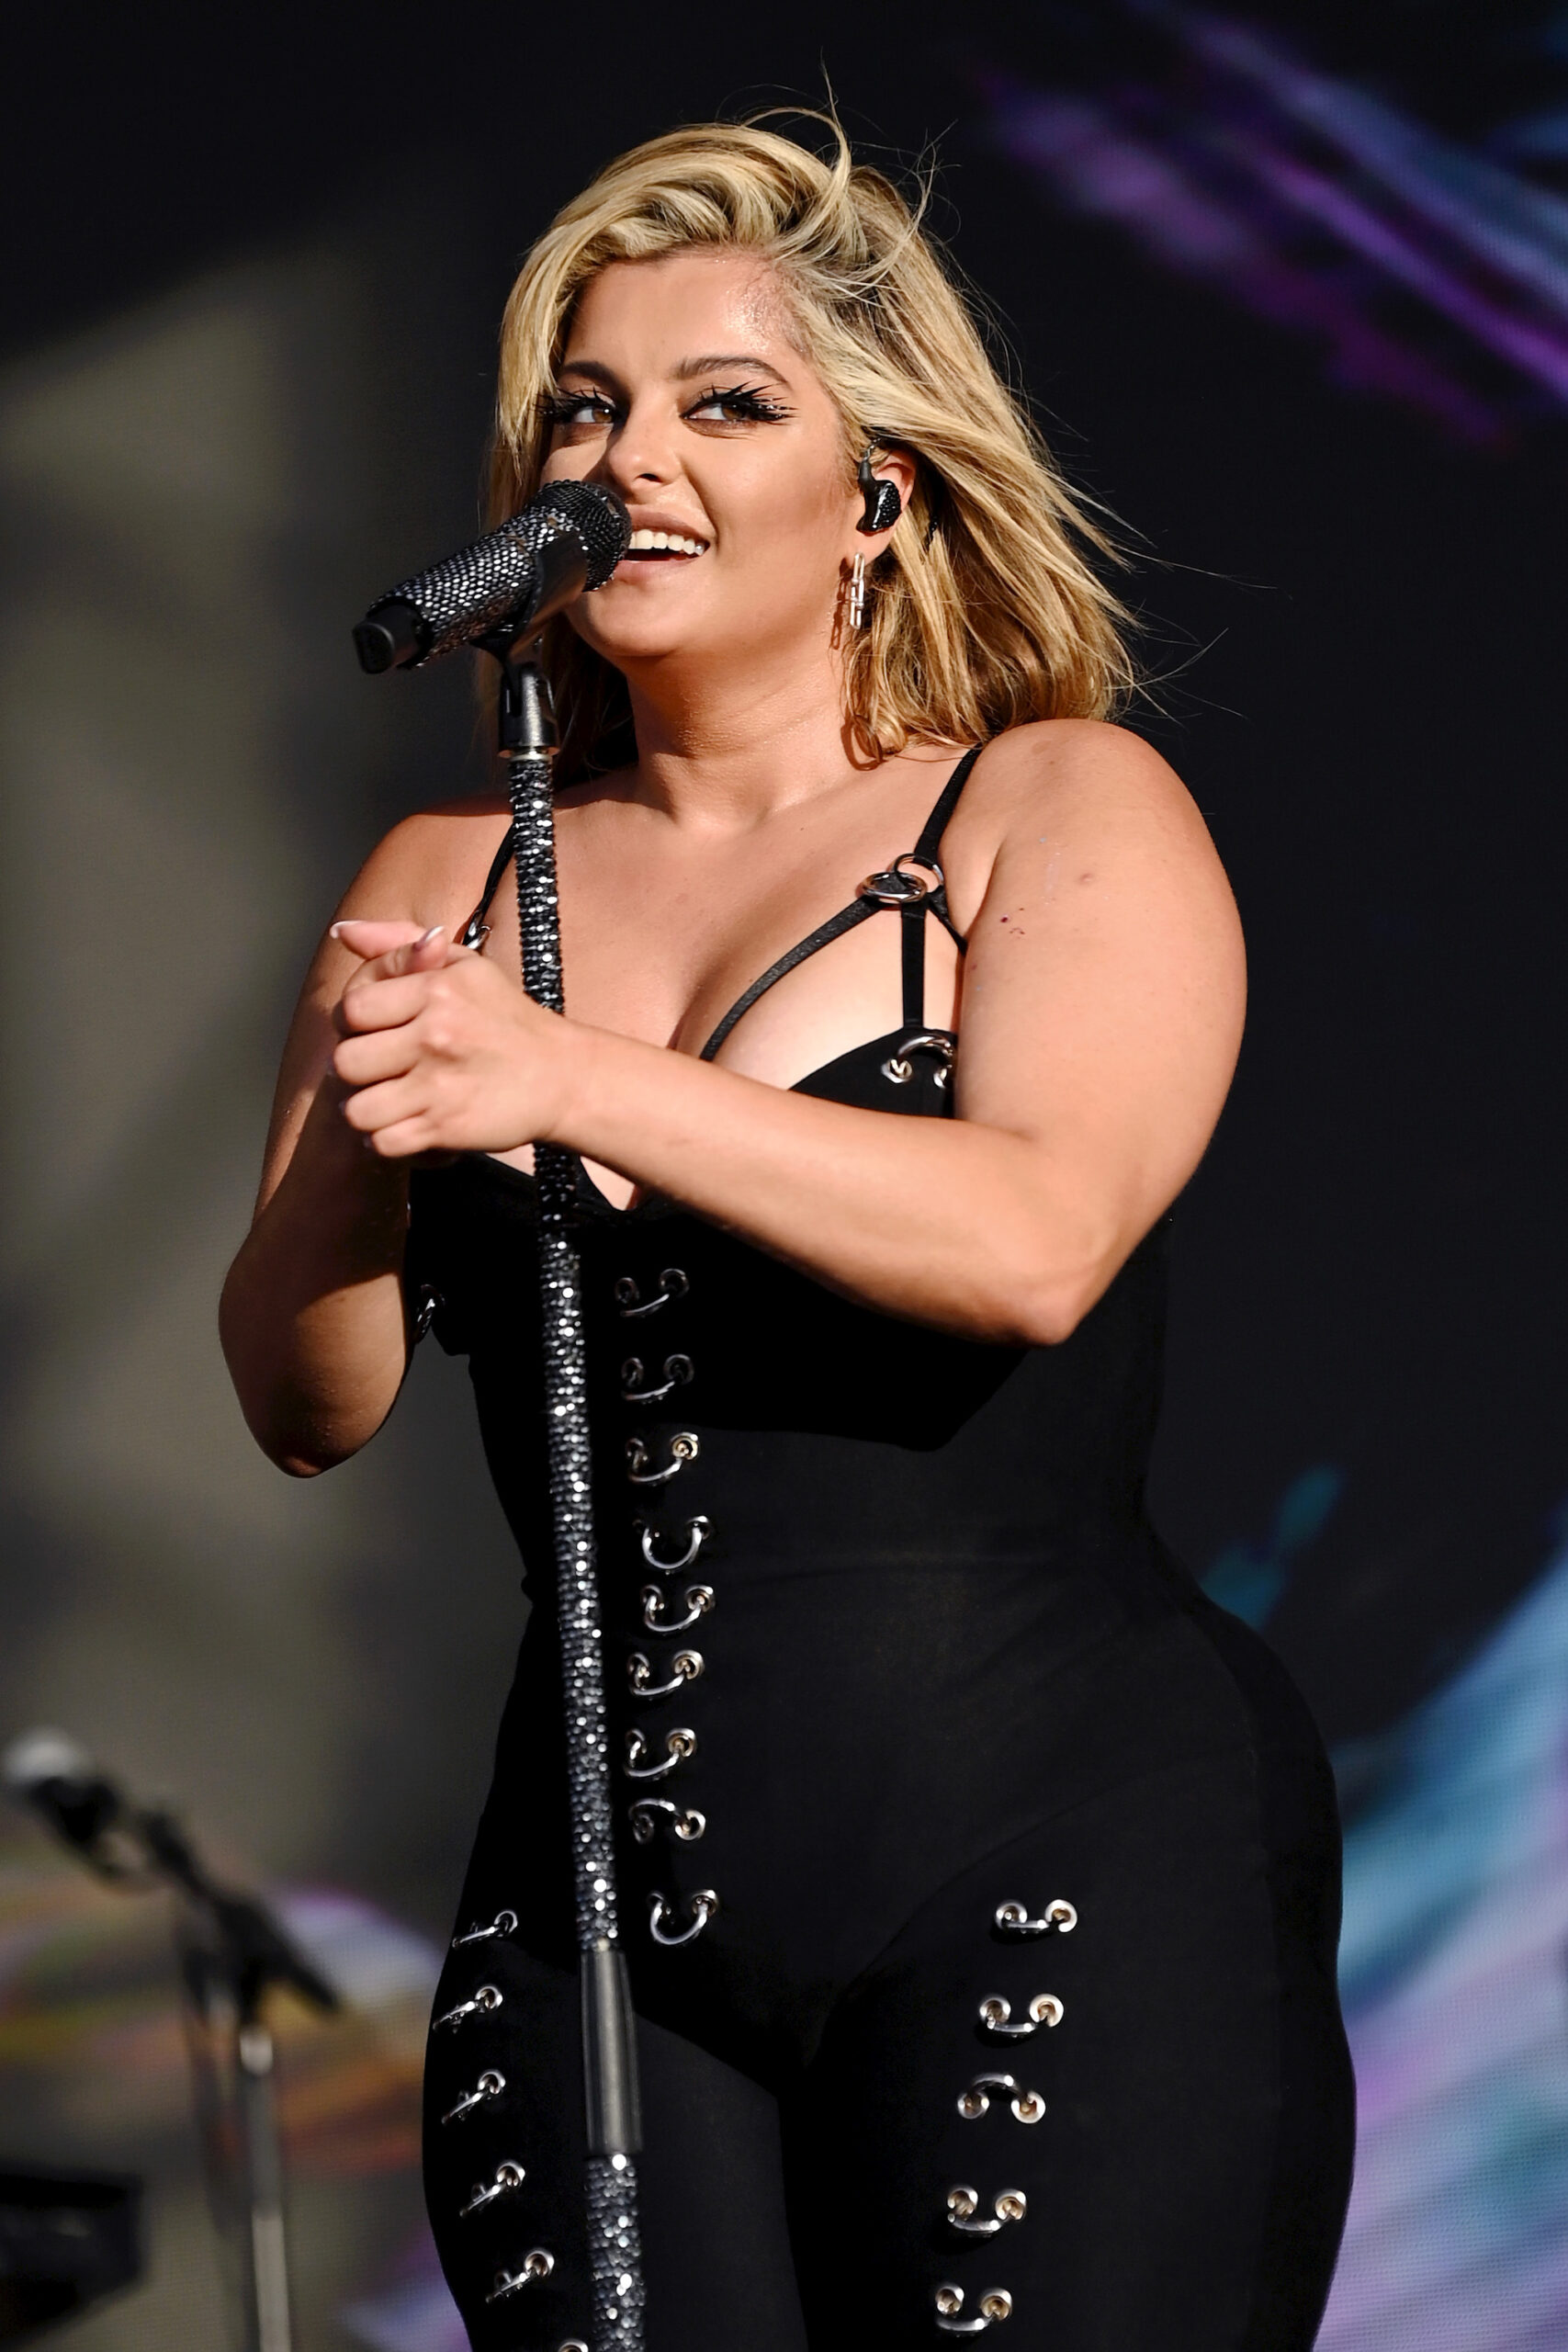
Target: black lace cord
614,2248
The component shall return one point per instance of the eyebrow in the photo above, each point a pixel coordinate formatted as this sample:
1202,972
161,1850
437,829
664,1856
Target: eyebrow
708,364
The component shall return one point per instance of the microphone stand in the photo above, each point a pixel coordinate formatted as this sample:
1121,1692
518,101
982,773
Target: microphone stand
232,1955
527,741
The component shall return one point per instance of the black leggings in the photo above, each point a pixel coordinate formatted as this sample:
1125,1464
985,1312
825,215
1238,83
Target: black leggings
1184,2179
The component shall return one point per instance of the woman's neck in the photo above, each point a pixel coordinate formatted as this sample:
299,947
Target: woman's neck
727,752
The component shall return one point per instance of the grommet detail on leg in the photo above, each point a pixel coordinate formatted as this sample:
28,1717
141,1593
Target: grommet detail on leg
1027,2106
534,2266
508,2175
504,1924
678,1747
490,2086
683,1822
1013,1919
488,1997
701,1905
989,2311
964,2210
997,2018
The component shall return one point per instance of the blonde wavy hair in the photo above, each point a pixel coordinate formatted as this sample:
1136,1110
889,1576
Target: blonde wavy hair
986,610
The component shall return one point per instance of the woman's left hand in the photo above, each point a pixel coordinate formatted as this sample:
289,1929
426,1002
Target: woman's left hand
442,1053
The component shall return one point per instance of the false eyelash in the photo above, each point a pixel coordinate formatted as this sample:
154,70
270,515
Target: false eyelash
750,399
559,408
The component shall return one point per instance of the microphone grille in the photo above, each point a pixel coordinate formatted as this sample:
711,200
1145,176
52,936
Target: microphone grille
34,1757
600,519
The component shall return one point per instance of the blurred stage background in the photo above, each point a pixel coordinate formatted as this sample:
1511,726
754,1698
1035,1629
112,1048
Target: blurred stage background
1291,285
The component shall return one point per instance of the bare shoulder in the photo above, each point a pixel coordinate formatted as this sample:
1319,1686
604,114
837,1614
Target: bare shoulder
1061,788
429,868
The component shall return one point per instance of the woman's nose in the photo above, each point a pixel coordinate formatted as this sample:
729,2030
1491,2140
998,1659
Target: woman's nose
640,452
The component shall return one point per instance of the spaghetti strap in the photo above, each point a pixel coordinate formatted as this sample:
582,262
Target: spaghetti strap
475,928
913,903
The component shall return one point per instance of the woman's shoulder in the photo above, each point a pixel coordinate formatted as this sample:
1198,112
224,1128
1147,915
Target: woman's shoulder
432,864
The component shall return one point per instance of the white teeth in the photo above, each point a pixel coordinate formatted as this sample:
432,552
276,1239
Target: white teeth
666,543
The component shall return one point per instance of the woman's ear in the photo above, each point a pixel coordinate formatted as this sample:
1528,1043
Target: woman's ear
886,481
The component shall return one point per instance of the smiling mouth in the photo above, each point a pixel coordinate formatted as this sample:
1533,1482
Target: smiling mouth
655,545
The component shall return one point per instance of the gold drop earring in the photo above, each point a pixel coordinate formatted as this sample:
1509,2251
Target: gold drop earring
857,591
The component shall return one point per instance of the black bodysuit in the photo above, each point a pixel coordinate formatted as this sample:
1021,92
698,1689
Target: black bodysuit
980,1878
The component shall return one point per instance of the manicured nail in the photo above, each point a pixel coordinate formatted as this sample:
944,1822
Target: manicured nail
336,930
437,931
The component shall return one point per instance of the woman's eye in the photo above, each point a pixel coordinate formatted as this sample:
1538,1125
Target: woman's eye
579,408
740,406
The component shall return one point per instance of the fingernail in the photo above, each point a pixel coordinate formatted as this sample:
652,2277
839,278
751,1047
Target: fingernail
437,931
335,931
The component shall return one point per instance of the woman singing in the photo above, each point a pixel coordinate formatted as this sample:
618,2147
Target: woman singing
982,1877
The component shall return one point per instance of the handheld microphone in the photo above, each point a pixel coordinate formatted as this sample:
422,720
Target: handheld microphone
48,1771
568,538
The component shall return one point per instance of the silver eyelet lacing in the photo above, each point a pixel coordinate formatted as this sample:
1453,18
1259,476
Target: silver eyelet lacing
508,2177
484,2003
990,2311
686,1667
701,1906
1027,2106
534,2266
672,1285
504,1924
964,2210
684,1447
1059,1918
698,1601
679,1748
677,1373
684,1821
699,1530
490,2086
997,2018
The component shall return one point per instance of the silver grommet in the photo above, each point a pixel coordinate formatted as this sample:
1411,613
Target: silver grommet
534,2266
672,1285
490,2086
680,1745
488,1997
699,1530
683,1822
686,1667
698,1598
1059,1917
508,2175
684,1447
996,2016
504,1924
678,1371
701,1905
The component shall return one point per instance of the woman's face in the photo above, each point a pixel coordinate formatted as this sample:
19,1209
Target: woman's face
681,388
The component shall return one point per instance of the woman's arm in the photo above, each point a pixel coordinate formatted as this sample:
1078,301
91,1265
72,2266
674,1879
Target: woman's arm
1102,1007
312,1316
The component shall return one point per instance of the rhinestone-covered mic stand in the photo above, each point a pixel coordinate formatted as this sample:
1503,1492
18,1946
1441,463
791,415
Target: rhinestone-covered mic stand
527,741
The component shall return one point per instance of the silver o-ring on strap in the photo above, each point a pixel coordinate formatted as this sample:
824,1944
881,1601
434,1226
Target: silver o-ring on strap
490,2086
504,1924
698,1598
686,1667
1013,1919
699,1530
684,1446
701,1905
902,1069
672,1285
534,2266
1027,2106
684,1821
488,1997
895,887
509,2176
679,1748
678,1371
990,2311
430,1306
964,2210
997,2018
